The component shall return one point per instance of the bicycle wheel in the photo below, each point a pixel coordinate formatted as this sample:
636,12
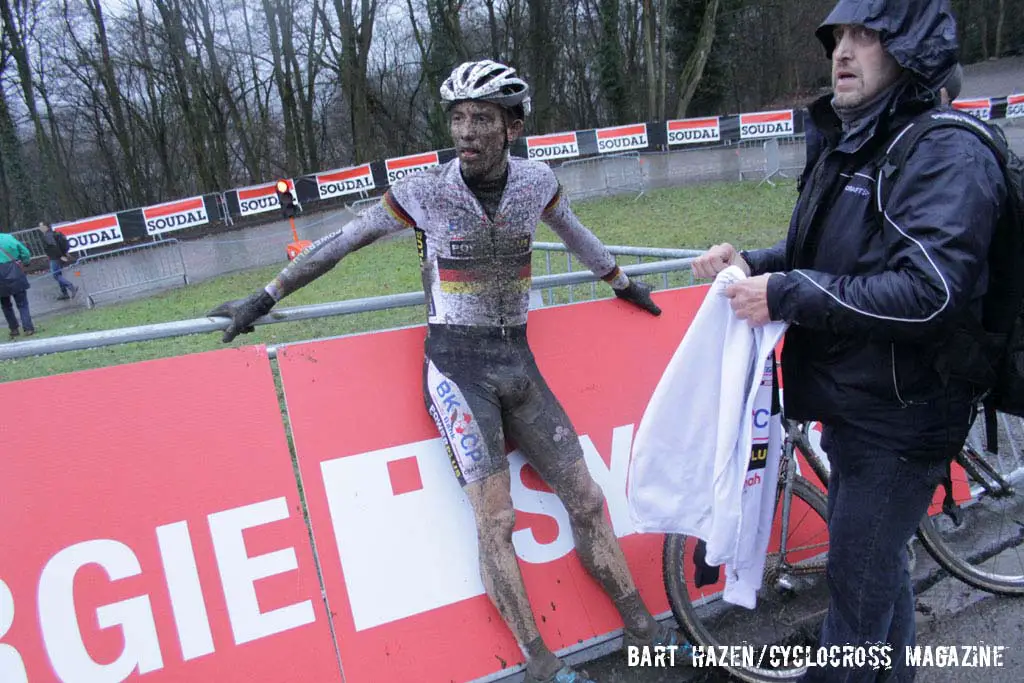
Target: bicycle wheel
980,542
793,598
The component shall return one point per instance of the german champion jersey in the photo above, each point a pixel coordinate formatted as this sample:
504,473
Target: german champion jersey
475,271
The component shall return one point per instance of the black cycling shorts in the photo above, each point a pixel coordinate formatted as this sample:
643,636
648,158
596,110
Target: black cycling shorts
481,385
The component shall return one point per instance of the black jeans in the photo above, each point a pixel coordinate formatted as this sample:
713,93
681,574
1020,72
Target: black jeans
21,300
876,499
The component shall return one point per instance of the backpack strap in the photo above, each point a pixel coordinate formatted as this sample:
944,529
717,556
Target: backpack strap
894,154
971,351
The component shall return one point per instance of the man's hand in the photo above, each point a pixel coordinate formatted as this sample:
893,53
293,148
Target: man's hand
749,300
639,294
716,259
243,312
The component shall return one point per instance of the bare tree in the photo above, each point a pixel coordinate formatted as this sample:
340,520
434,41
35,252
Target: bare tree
691,74
21,207
53,181
355,27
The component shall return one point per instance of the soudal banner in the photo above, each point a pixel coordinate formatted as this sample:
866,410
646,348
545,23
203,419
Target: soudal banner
100,231
171,216
396,534
400,167
981,108
1015,106
556,146
188,561
260,198
345,181
622,138
691,131
766,124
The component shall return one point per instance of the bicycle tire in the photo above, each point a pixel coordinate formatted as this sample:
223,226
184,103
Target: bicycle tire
675,554
959,558
952,562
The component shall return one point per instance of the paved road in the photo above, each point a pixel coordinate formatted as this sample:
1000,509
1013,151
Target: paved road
985,619
993,78
949,613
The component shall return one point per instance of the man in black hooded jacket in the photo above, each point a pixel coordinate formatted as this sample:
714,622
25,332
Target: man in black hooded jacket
871,297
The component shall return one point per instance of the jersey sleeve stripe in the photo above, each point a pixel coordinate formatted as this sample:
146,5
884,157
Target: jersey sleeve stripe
612,274
554,200
397,211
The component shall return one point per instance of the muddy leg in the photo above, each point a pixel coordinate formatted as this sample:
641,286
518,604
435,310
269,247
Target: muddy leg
598,548
499,568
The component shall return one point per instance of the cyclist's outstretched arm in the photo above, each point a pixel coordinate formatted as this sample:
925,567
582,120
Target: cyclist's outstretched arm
321,256
559,216
314,261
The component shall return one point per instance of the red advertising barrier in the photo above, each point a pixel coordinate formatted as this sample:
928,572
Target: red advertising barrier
393,529
150,524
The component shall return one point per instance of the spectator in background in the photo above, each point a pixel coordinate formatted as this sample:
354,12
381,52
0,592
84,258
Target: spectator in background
13,283
58,250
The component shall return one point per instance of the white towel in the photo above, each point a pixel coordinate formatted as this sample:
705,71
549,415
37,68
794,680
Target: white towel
692,455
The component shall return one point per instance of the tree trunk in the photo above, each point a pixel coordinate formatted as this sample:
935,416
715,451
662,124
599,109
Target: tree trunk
53,175
652,79
307,96
258,122
282,79
157,124
69,198
690,76
1000,19
610,62
539,41
355,44
20,205
492,24
183,87
663,60
984,35
104,67
250,159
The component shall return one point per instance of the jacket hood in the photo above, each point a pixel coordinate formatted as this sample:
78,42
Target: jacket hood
919,34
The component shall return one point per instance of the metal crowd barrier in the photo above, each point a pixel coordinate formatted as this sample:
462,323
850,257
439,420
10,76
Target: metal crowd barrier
91,340
359,205
725,162
602,176
32,238
772,162
136,268
551,297
215,255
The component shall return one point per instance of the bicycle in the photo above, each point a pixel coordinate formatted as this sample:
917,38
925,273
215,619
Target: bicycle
978,497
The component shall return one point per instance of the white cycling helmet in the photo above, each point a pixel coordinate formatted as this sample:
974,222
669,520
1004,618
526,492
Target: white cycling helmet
488,81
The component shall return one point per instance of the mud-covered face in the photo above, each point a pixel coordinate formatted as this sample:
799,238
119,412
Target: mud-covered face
482,133
861,68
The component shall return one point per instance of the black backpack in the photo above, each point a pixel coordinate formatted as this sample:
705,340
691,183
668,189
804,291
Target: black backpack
991,357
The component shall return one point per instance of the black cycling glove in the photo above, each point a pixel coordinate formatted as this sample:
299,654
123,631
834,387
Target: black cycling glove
639,294
243,313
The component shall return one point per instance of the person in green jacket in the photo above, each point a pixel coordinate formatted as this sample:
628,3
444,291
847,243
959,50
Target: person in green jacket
14,284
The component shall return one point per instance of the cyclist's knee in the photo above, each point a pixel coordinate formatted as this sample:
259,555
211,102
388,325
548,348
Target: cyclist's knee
584,501
496,523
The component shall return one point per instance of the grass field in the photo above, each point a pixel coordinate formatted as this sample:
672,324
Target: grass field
692,217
